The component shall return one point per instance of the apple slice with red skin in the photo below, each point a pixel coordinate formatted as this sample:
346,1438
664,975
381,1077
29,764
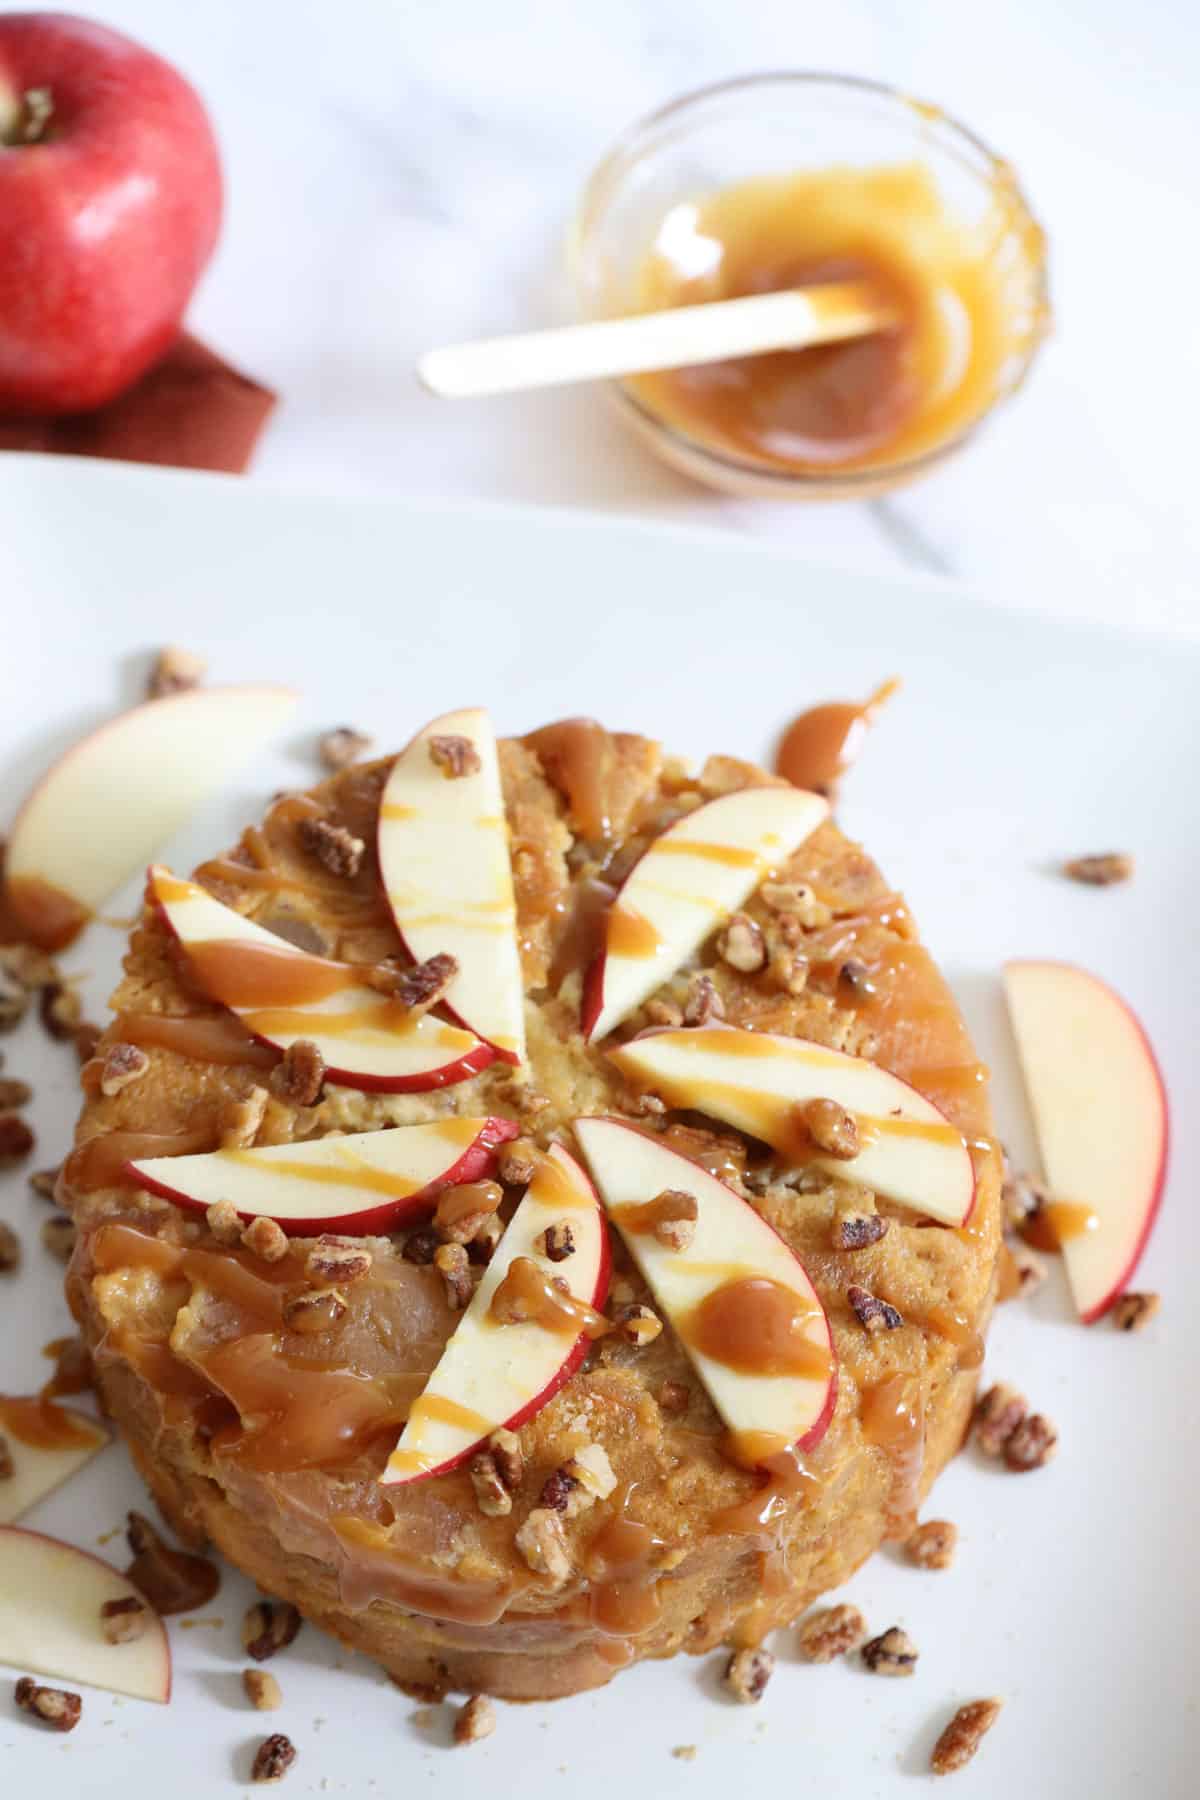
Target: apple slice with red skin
492,1375
37,1469
1100,1109
444,862
50,1599
736,1289
366,1039
689,881
759,1083
335,1183
106,805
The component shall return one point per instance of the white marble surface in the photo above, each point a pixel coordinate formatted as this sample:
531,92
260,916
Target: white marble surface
400,172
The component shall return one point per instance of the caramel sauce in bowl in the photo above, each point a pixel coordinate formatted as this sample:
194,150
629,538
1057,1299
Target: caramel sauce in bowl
797,180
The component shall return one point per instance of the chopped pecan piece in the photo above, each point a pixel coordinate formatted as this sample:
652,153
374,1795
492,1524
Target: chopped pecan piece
454,756
741,944
639,1324
704,1003
491,1494
517,1162
462,1210
664,1012
313,1310
123,1064
8,1468
998,1412
963,1735
558,1241
891,1653
44,1183
419,987
1021,1196
265,1239
1100,870
240,1120
832,1129
872,1313
60,1010
421,1245
476,1719
674,1398
932,1545
339,748
557,1490
747,1673
1030,1267
223,1221
1133,1312
788,971
797,900
56,1707
175,670
855,1230
482,1246
542,1542
335,848
337,1259
124,1621
273,1758
262,1690
832,1631
58,1236
269,1627
504,1447
16,1139
675,1225
300,1076
591,1471
454,1266
14,998
14,1093
10,1249
1031,1444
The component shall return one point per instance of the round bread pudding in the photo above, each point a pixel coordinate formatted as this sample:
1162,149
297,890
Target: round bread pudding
263,1377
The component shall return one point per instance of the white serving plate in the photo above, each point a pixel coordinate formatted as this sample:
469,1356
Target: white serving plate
1016,741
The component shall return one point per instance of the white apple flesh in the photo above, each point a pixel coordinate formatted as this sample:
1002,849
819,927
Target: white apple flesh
759,1083
115,797
365,1038
38,1469
50,1600
444,860
702,869
1100,1110
372,1181
732,1245
490,1374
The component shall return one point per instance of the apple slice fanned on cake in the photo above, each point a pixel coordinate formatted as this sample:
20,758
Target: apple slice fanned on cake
762,1084
118,795
371,1181
525,1331
702,869
444,860
283,995
740,1303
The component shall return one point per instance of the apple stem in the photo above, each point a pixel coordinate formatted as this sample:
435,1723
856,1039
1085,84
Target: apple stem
32,120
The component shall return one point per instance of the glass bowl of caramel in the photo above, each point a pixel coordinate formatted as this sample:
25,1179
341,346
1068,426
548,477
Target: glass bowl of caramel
800,180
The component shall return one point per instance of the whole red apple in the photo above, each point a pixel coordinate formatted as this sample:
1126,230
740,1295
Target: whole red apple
110,203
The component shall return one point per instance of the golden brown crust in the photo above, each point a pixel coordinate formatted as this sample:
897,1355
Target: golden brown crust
421,1578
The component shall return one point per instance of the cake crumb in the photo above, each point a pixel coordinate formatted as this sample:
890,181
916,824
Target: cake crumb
476,1719
175,671
684,1753
963,1735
